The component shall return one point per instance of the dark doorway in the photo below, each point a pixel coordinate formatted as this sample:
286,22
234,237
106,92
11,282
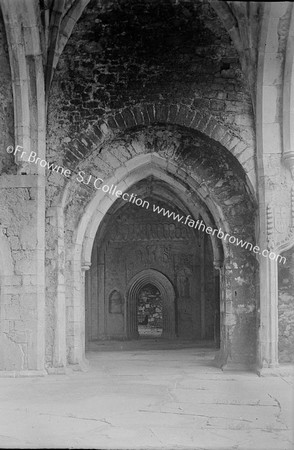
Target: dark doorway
141,259
149,312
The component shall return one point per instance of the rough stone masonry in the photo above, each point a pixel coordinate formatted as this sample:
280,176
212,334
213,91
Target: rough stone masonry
185,103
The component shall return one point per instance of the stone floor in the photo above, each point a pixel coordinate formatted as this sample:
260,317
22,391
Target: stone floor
170,398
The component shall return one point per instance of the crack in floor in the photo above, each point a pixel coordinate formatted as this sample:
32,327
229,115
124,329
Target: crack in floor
71,416
155,435
193,415
278,415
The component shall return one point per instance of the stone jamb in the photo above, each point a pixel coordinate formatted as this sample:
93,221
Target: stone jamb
288,100
269,82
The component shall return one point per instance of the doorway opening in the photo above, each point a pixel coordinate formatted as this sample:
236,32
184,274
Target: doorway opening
150,312
151,277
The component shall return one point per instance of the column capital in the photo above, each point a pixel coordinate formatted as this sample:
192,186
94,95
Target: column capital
289,162
85,265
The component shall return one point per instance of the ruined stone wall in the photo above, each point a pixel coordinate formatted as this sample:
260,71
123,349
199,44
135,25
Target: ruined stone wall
182,154
18,242
159,61
144,57
131,53
286,311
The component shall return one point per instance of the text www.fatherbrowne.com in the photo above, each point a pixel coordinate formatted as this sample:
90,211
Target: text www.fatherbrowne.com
199,225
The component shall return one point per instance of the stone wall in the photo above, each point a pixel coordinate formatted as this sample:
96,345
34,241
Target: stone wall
138,79
286,311
18,241
128,65
20,309
145,52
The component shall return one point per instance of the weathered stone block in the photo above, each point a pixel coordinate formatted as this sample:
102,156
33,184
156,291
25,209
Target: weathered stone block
11,354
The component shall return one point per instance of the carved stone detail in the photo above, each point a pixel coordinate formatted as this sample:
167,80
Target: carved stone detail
86,265
184,260
280,219
123,232
147,255
278,224
270,226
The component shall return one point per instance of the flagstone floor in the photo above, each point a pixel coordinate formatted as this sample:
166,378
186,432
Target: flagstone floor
161,398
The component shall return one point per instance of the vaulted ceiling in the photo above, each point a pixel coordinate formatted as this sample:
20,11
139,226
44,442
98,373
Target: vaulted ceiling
240,19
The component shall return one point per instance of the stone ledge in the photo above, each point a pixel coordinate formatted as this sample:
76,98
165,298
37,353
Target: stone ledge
227,365
22,373
82,366
18,181
237,367
280,371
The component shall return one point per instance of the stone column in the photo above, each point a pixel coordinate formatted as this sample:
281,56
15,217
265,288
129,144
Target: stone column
168,317
132,321
270,188
202,283
78,317
268,329
56,289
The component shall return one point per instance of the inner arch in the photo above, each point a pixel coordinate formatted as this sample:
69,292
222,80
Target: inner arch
180,185
135,246
166,289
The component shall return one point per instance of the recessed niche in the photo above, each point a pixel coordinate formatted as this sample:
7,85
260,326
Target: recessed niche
115,302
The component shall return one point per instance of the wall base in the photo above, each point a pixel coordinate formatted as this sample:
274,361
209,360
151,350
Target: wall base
279,371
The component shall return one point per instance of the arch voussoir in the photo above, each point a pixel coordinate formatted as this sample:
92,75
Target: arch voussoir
162,112
146,114
129,118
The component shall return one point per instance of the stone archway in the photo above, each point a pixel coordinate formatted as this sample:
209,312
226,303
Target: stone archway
195,174
167,292
130,240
